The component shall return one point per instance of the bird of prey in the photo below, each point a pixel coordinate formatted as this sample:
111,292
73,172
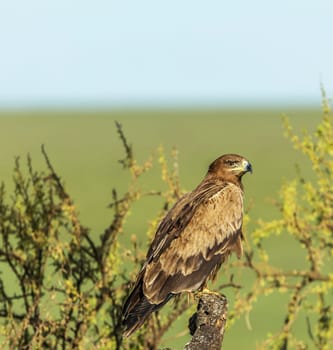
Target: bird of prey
192,241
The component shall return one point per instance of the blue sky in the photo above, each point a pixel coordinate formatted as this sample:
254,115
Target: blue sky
105,52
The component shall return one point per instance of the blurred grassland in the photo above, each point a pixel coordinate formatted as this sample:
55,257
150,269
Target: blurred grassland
84,149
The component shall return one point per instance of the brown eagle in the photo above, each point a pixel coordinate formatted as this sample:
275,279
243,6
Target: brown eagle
192,241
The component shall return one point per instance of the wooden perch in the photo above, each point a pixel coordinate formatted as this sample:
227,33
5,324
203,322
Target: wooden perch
207,325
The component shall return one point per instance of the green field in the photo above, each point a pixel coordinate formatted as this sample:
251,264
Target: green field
85,149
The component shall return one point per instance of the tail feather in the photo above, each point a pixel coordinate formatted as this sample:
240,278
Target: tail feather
137,309
137,316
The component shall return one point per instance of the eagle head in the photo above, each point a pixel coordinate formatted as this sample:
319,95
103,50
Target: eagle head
230,165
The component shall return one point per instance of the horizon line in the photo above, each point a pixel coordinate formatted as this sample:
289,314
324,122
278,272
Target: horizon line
135,104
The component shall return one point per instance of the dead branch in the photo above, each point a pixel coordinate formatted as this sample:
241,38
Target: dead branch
207,325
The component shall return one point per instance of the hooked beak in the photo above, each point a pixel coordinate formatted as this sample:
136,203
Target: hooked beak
247,166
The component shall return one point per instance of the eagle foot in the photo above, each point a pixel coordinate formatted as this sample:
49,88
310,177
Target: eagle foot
204,291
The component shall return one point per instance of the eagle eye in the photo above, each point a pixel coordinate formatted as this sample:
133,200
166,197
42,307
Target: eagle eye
230,162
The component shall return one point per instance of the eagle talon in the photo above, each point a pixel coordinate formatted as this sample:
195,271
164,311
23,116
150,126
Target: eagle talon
204,291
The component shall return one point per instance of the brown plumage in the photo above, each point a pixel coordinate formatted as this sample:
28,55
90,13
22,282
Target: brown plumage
192,241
